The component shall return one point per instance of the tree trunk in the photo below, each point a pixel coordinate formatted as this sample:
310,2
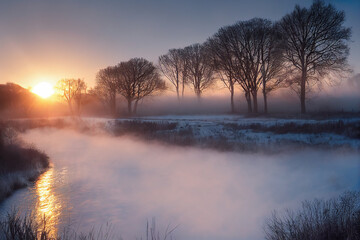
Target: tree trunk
265,98
183,88
135,107
302,91
129,107
70,108
254,95
177,93
198,95
113,105
248,100
232,98
79,107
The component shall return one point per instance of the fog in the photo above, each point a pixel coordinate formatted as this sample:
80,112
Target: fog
326,98
211,195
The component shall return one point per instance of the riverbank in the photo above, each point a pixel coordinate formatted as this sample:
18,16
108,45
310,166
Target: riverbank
19,165
237,133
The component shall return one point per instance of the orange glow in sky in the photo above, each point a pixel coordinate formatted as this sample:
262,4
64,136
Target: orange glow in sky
43,89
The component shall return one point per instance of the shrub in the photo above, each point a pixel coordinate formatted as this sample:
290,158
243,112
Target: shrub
26,227
334,219
18,164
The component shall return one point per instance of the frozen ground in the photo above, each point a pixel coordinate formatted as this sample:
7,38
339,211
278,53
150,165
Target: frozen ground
255,133
226,132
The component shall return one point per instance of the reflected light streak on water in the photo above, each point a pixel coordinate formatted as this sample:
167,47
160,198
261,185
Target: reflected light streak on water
47,205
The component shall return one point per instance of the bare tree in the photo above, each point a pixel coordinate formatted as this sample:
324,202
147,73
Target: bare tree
273,68
71,90
222,57
106,87
137,79
199,68
316,43
173,67
249,38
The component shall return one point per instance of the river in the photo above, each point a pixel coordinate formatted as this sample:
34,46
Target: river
98,179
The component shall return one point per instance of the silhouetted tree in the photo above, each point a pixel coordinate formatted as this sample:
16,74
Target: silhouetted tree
236,36
316,43
72,91
173,67
138,78
106,87
199,68
247,44
273,68
222,57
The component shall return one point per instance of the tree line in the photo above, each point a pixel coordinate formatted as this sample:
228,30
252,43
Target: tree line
299,51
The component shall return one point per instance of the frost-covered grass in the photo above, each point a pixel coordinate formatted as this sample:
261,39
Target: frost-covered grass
230,132
336,218
18,164
16,226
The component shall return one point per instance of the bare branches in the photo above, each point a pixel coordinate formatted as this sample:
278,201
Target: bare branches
222,59
137,79
172,65
316,43
199,70
337,218
106,87
71,90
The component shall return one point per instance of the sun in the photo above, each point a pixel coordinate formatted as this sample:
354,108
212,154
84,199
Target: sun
43,89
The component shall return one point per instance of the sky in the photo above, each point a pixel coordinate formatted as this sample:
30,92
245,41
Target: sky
46,40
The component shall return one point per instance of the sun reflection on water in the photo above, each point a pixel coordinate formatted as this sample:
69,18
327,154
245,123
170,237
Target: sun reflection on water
48,206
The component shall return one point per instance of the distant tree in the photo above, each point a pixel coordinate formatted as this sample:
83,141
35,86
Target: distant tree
316,43
106,87
16,100
173,67
199,68
222,57
72,91
138,78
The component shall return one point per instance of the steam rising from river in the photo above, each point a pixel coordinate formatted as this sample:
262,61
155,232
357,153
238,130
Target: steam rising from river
211,195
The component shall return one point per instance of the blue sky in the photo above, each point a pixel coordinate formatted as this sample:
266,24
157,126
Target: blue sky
49,40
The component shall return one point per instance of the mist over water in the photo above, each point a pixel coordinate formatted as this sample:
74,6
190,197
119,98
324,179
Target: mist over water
211,195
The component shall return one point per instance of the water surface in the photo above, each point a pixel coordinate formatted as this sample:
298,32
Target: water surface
97,179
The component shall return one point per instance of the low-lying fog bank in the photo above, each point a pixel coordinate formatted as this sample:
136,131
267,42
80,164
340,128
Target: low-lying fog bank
211,195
